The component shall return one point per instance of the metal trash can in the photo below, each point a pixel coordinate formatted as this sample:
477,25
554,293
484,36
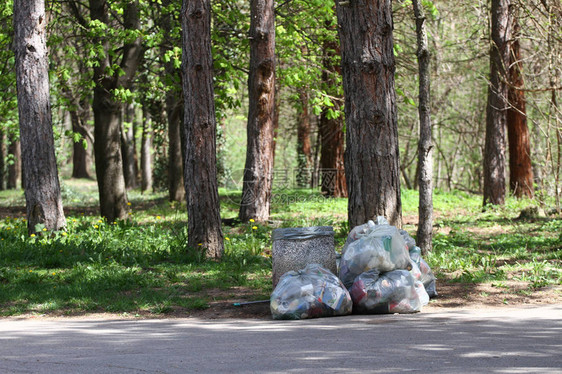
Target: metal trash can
294,248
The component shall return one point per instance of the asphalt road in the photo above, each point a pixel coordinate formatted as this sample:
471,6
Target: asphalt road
506,340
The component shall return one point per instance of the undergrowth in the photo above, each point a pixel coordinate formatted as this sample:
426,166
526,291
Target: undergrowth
141,265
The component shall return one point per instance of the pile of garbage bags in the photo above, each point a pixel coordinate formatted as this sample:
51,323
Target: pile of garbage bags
309,293
376,246
381,271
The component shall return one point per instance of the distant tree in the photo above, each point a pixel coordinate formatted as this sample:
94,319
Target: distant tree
304,147
494,151
117,49
258,170
42,188
146,151
368,67
174,101
15,164
82,154
129,147
520,167
425,157
8,95
203,205
2,158
331,122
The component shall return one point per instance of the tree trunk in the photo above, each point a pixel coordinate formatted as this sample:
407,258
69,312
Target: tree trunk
372,156
128,148
2,158
14,167
520,168
203,205
146,151
425,157
81,156
304,148
175,164
174,114
494,151
107,111
42,188
107,146
332,168
258,171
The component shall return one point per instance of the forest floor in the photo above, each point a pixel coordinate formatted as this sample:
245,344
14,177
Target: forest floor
481,260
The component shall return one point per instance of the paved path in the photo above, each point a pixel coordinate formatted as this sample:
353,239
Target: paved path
507,340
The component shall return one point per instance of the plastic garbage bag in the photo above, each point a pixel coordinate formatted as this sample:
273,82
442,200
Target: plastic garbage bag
410,242
362,230
392,292
309,293
357,233
379,247
420,288
427,276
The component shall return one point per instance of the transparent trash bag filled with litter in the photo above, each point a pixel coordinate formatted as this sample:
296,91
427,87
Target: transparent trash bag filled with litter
362,230
410,242
380,247
392,292
310,293
420,288
427,277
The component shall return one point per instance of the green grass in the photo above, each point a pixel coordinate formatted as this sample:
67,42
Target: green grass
140,266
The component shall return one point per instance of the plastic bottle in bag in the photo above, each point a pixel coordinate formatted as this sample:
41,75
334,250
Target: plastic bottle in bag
379,247
308,293
427,276
392,292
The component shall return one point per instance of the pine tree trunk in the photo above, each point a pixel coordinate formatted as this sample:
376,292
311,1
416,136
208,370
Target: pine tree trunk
258,170
42,188
14,168
372,155
203,205
332,167
425,157
128,147
520,168
304,148
146,151
494,151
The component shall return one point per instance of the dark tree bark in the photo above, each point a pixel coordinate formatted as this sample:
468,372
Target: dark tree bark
304,148
174,114
2,158
494,150
42,188
128,147
146,151
371,158
203,205
14,168
107,111
520,167
332,167
81,156
176,190
425,157
258,170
